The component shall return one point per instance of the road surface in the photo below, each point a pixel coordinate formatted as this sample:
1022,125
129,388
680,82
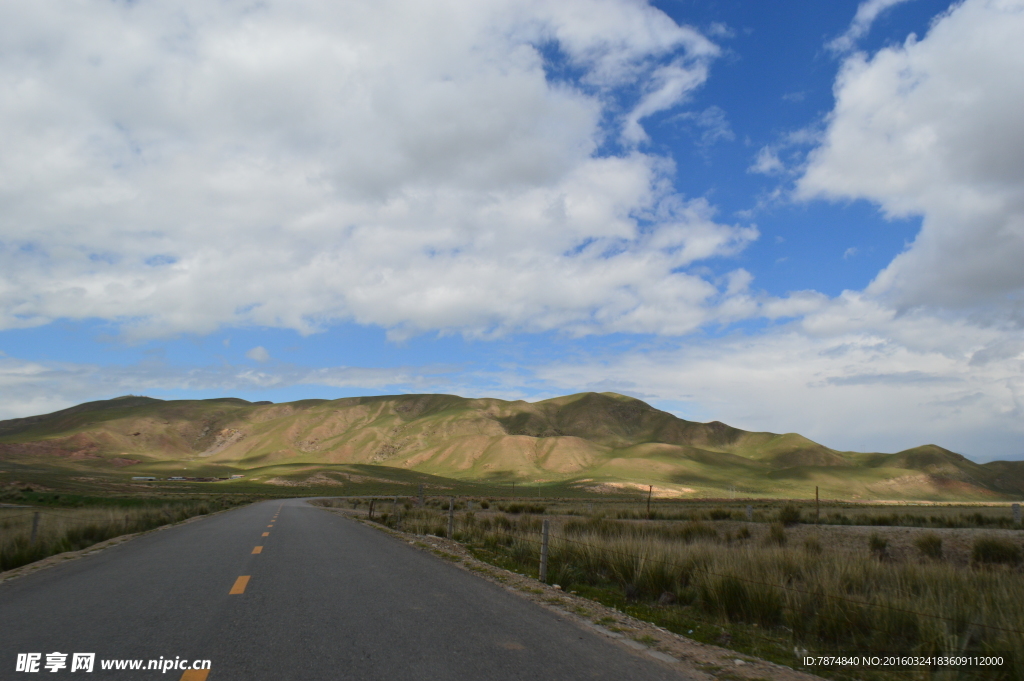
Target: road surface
323,598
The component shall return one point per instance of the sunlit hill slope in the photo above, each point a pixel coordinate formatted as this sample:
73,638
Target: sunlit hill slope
591,439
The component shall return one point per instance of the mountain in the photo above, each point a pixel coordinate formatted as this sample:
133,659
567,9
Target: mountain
588,439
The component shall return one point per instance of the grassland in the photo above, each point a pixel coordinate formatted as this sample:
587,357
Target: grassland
765,588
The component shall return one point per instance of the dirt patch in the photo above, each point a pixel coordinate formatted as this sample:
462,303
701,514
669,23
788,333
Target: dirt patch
17,486
657,492
313,480
223,439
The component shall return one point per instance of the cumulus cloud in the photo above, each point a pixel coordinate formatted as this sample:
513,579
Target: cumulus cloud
866,14
932,128
408,165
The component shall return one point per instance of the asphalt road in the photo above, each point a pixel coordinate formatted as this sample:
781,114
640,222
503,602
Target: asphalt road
326,598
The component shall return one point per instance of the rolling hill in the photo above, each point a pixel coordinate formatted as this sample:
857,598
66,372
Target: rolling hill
596,440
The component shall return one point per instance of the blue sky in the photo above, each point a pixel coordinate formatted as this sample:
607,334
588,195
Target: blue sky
796,216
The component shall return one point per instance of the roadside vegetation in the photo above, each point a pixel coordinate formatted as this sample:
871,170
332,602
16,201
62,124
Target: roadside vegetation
753,587
70,523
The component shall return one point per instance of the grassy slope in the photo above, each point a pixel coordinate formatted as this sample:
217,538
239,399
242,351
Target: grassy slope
593,437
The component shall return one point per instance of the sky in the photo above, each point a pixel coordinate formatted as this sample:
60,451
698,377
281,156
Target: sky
796,216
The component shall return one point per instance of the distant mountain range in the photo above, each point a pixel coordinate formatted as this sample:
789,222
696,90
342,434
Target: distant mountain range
589,439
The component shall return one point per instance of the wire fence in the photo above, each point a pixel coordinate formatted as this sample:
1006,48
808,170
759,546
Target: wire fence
761,638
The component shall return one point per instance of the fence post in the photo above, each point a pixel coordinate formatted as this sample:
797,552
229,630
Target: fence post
750,512
451,516
817,507
35,527
544,551
1016,514
650,489
371,508
421,494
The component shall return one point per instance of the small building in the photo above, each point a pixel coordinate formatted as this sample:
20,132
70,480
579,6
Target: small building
142,477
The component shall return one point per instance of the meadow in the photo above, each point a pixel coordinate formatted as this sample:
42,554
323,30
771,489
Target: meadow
774,586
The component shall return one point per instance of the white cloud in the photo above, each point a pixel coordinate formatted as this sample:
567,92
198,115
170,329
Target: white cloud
850,252
932,128
28,388
852,375
712,125
767,162
258,354
867,12
668,87
409,165
720,30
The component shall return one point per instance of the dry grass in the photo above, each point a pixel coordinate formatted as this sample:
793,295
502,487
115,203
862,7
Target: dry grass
72,529
797,593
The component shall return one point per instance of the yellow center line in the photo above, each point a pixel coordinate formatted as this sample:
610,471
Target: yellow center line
239,587
269,525
258,549
195,675
266,534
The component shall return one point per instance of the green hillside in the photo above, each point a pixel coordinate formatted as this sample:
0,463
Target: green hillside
602,441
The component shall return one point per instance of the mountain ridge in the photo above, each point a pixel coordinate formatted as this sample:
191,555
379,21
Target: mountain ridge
592,438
